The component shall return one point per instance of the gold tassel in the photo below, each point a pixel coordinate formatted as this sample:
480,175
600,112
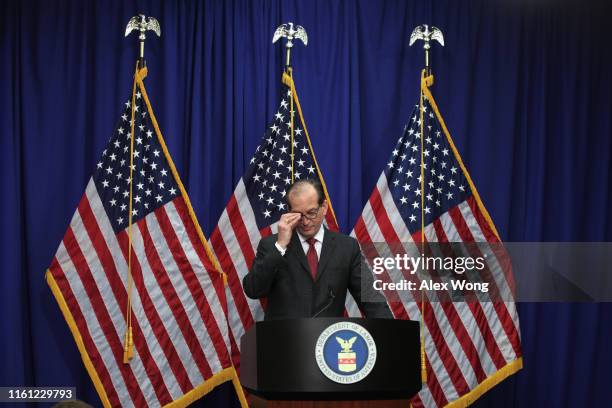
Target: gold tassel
128,347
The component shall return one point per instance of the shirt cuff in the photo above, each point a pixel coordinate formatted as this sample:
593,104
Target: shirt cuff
280,249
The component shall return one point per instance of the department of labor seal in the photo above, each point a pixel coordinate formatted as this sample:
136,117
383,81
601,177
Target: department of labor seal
345,352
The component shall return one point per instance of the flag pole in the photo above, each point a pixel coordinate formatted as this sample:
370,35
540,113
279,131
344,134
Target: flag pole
290,33
423,33
140,23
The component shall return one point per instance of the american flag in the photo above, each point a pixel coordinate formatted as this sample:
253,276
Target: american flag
180,335
257,203
469,346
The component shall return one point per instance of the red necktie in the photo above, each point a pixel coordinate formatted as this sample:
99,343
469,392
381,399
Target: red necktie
313,259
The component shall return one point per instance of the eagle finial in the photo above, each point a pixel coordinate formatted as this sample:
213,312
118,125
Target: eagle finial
423,33
290,33
142,24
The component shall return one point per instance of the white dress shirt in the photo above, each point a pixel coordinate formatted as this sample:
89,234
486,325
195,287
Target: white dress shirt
305,245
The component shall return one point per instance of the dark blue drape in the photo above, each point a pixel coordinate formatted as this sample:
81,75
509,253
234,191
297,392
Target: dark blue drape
524,86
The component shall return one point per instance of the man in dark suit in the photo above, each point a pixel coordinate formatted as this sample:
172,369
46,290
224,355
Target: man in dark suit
306,269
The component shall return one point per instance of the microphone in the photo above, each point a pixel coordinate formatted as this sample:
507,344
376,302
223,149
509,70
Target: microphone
332,296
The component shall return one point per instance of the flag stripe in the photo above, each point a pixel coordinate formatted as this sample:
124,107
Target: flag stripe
476,307
502,312
234,350
92,349
431,348
235,268
462,336
102,314
237,300
109,288
232,244
147,278
468,320
246,214
167,244
115,258
115,282
486,230
373,231
211,303
361,232
433,385
147,315
363,235
470,311
191,270
435,350
461,331
458,229
390,236
505,280
242,237
204,316
509,321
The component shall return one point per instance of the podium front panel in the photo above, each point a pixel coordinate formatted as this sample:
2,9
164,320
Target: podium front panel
279,361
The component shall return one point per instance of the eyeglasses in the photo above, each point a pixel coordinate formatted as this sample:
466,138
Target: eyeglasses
310,215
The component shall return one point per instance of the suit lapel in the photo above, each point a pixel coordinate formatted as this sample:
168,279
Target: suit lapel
327,251
295,246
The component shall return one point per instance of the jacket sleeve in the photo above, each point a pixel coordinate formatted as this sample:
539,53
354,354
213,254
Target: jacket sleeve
370,301
258,282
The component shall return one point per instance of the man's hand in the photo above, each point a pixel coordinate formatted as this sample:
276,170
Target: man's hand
286,225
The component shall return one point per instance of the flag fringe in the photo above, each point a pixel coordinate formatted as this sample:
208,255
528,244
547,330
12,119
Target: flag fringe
227,374
490,382
76,334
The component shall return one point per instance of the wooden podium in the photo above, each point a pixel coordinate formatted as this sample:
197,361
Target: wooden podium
279,367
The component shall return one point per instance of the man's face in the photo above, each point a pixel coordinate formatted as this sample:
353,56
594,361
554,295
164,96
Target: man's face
306,202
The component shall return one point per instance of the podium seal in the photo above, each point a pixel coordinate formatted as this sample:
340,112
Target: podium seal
345,352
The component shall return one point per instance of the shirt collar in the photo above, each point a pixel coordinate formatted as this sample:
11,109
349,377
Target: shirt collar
318,236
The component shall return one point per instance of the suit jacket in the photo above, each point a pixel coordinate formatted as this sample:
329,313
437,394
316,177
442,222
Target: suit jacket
287,283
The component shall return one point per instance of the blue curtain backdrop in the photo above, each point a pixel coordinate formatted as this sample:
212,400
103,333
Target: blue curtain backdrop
524,86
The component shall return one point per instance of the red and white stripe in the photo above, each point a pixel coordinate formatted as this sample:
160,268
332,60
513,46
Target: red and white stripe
234,242
179,325
465,342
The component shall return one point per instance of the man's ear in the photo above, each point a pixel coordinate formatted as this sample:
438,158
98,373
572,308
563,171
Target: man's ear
324,206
